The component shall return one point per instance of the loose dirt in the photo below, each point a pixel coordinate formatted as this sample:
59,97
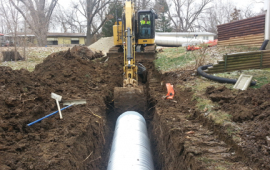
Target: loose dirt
179,138
72,143
251,111
83,138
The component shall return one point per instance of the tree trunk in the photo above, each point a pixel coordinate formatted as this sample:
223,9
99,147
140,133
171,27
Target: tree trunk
89,36
38,18
41,35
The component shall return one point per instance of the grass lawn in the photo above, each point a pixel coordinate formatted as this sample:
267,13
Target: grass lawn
172,58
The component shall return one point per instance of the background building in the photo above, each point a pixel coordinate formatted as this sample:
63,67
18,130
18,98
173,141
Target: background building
53,39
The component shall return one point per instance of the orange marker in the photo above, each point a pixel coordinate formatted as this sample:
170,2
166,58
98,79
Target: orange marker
170,91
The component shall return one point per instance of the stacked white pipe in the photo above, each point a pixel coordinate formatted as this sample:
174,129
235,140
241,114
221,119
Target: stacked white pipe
131,148
182,38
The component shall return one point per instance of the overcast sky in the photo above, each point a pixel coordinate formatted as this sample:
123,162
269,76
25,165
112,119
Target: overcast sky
239,3
256,6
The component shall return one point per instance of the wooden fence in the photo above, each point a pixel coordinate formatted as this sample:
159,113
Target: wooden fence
242,61
248,32
253,40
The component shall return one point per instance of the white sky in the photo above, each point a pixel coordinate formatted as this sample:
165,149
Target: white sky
239,3
256,6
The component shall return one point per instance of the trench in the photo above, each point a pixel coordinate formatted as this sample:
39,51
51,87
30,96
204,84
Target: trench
83,140
168,124
171,147
158,144
111,117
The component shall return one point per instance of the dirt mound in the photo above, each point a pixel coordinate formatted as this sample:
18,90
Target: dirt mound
252,109
11,56
54,143
85,53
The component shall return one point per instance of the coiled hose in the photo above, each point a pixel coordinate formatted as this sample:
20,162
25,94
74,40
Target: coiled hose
218,79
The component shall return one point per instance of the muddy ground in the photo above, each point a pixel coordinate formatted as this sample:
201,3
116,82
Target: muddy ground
54,143
250,110
180,139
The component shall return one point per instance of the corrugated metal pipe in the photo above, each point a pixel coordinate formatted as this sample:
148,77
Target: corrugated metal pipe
176,38
131,148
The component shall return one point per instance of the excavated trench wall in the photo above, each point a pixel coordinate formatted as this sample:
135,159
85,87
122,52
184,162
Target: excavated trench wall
83,139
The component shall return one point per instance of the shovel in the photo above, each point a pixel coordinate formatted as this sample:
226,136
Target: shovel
57,98
66,102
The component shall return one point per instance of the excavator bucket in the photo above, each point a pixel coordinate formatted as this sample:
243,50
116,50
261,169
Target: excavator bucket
130,99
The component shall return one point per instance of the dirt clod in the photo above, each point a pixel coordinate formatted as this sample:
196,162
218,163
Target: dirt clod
251,110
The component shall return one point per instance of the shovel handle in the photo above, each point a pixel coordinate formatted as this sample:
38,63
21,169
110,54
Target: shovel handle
48,115
60,114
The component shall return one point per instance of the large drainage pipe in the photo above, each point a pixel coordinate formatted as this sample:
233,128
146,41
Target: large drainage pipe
218,79
131,148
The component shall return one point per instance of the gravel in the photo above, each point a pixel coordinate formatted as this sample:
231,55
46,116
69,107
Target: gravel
103,45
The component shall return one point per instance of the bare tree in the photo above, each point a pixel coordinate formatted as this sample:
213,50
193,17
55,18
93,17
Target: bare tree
142,4
40,12
186,13
224,11
219,13
236,15
91,10
248,12
11,17
69,19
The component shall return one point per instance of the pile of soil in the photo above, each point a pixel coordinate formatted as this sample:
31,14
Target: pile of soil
251,110
11,56
76,142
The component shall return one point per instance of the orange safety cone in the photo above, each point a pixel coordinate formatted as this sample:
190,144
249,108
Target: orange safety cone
170,91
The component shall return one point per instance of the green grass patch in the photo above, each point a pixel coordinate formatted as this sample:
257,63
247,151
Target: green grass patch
206,160
262,77
219,117
203,104
245,48
221,168
172,59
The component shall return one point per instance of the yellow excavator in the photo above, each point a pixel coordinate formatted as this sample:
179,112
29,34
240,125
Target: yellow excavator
134,38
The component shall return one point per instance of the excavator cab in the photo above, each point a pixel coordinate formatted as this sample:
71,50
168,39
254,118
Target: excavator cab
145,33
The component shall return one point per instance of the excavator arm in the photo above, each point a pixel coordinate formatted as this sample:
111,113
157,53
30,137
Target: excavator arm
131,96
130,69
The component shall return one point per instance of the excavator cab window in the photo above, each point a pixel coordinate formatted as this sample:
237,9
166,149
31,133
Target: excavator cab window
146,25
